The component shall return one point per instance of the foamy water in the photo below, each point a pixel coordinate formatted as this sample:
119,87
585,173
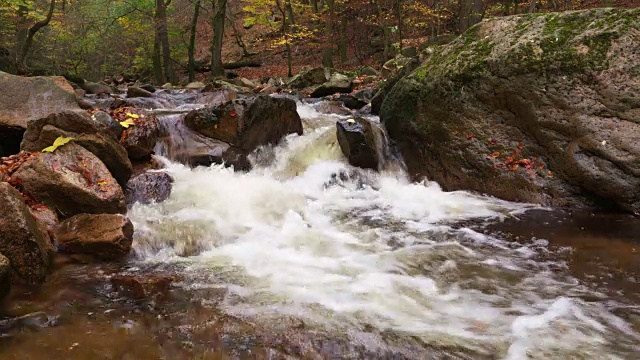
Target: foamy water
362,251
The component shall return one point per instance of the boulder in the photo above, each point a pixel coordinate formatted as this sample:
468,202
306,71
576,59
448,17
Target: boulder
337,83
357,141
539,108
96,88
87,133
109,122
331,107
139,287
410,51
215,98
368,71
242,82
72,181
167,86
134,92
23,99
351,101
196,85
247,123
148,87
148,187
103,236
5,276
22,240
378,98
309,78
140,139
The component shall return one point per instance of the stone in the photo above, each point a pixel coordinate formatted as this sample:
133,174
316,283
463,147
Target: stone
141,287
167,86
378,98
539,108
87,133
309,78
411,51
23,99
103,236
331,107
5,276
148,187
368,71
243,82
337,83
247,123
148,87
72,181
196,85
134,92
79,93
96,88
140,139
22,240
358,142
109,122
351,101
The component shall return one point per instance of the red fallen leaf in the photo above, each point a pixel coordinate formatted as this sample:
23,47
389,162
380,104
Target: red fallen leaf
514,167
525,162
549,174
454,132
520,146
541,166
491,140
496,154
488,157
233,113
469,136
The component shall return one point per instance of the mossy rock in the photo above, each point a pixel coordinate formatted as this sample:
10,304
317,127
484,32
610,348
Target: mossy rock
561,89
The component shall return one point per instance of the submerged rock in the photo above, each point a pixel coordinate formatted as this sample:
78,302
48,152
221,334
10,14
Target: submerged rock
22,240
148,187
540,108
134,92
140,287
103,236
72,181
87,133
358,142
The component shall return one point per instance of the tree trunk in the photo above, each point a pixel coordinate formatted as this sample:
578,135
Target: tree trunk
314,6
532,7
238,36
399,15
471,13
289,12
284,36
32,32
157,61
327,57
386,36
163,36
342,43
192,41
219,8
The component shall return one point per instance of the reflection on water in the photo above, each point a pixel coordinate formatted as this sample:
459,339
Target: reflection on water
308,257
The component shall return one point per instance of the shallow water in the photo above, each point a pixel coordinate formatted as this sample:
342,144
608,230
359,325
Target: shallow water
306,257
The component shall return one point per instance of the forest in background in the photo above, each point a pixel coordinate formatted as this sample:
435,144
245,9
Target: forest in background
181,40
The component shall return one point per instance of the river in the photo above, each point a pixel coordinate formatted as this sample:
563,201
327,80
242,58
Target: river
307,257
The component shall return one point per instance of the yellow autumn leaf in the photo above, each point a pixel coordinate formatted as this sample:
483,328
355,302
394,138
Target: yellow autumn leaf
133,116
351,121
102,182
125,124
61,140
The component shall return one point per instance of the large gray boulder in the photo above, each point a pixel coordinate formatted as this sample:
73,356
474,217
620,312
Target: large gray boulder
541,108
22,240
87,132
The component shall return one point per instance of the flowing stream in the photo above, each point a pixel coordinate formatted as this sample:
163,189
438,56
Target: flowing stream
307,257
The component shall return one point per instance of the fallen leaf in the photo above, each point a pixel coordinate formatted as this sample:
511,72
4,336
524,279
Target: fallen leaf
496,154
549,174
102,182
61,140
469,136
133,116
233,113
125,124
491,140
351,121
520,146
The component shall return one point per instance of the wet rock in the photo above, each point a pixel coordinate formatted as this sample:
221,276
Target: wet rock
148,87
79,93
216,98
96,88
87,133
331,107
391,67
269,89
72,181
351,101
247,123
337,83
148,187
550,119
140,139
358,142
110,123
309,78
167,86
22,240
103,236
134,92
23,99
47,218
5,276
140,287
196,85
364,95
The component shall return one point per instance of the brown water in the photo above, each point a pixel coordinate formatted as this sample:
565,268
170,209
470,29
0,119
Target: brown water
294,260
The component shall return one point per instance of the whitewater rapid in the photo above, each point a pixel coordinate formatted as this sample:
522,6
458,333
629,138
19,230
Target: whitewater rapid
360,254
